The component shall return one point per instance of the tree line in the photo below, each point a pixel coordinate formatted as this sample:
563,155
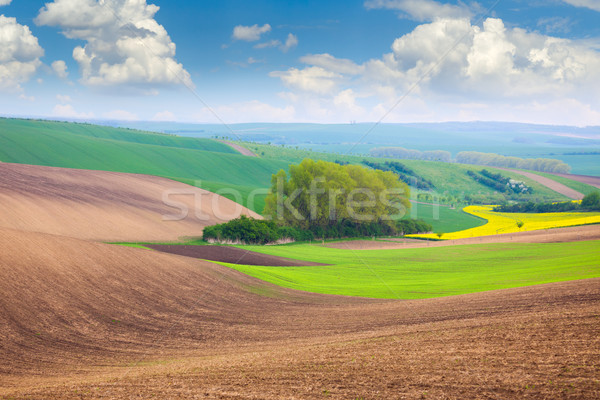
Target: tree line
497,160
474,158
410,154
499,183
405,173
591,202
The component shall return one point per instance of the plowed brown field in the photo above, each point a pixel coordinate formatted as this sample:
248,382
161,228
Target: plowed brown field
109,206
559,235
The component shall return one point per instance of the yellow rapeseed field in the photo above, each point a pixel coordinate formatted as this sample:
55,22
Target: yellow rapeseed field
499,223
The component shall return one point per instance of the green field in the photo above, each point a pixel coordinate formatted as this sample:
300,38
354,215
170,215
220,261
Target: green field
443,218
428,272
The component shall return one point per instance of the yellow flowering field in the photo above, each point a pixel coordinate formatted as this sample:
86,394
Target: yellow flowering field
499,223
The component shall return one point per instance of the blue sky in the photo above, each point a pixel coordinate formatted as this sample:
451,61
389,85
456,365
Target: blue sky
302,61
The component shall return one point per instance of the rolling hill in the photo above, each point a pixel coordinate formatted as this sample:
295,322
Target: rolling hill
111,206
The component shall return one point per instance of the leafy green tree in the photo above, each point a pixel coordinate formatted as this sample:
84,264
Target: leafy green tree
322,194
591,201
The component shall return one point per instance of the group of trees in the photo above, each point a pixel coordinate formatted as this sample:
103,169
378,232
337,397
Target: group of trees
253,231
591,202
404,173
497,160
320,194
409,154
319,199
499,183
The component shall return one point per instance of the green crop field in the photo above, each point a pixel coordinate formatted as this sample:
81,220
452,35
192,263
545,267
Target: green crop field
428,272
443,218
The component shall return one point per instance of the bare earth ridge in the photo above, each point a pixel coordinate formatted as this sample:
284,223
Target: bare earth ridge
542,180
108,206
559,235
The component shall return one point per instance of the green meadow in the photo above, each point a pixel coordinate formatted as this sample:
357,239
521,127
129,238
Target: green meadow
428,272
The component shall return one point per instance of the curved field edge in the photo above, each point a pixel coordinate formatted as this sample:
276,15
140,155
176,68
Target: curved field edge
428,272
499,223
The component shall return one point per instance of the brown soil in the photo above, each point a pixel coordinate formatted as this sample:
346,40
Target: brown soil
242,150
231,255
590,180
559,235
101,205
87,320
557,187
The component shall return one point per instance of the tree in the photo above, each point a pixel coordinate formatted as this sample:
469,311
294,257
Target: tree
591,201
324,195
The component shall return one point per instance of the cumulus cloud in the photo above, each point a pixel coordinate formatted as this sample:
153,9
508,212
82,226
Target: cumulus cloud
60,69
591,4
421,10
250,33
311,79
124,43
449,62
19,54
5,2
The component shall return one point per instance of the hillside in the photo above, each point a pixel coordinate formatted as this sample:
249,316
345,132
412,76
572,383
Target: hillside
91,147
107,206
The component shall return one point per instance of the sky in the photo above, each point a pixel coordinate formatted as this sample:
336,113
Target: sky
230,61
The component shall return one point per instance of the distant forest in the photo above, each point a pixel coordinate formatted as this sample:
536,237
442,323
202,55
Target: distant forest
474,158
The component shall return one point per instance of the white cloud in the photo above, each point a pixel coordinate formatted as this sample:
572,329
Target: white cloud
19,54
124,43
164,116
266,45
448,63
290,43
591,4
120,115
5,2
421,10
60,69
250,33
330,63
311,79
67,111
63,98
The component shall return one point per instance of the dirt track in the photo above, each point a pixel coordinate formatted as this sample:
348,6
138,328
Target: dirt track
549,183
230,255
87,320
109,206
590,180
560,235
242,150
